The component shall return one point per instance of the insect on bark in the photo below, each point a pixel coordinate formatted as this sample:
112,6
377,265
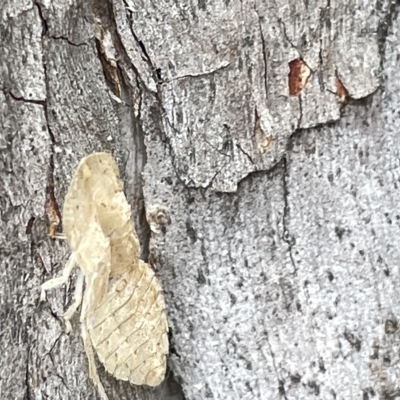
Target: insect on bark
123,310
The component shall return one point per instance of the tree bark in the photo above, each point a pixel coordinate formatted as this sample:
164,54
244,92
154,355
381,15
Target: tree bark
258,143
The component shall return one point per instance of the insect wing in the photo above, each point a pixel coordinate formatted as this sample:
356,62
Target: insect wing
129,329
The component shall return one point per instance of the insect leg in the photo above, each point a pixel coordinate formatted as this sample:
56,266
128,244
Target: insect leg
53,283
59,236
94,376
77,301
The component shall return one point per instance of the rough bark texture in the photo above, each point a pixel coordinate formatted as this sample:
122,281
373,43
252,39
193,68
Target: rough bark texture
259,148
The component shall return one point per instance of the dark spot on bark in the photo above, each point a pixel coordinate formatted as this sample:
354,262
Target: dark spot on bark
171,66
208,393
310,150
313,385
390,326
202,4
203,251
158,75
295,379
321,365
248,386
29,225
386,360
249,366
201,279
248,41
179,117
281,388
191,232
330,177
353,340
367,219
330,276
233,298
227,146
304,40
339,232
374,351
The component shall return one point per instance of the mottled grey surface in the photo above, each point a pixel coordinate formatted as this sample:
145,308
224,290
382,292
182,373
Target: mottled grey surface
55,108
220,70
284,289
288,288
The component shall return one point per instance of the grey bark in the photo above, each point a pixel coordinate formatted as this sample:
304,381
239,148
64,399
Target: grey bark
269,213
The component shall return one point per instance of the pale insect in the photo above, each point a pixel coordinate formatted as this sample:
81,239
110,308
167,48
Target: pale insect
123,310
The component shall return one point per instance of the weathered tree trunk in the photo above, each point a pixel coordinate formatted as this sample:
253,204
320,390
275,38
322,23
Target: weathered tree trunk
259,146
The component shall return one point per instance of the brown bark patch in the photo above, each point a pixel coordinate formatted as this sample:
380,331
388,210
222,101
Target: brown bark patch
299,72
341,90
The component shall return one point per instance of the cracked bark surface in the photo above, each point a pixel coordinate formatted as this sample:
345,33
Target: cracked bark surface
270,219
215,65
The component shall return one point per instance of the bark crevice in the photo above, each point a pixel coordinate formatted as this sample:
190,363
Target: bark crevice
22,99
28,394
265,58
286,213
